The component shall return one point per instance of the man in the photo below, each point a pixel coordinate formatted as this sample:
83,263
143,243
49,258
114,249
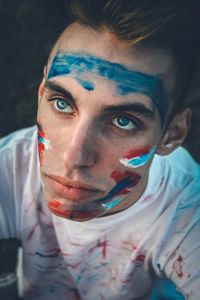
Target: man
109,208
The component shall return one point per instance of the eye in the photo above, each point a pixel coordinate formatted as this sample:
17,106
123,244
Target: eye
124,122
62,105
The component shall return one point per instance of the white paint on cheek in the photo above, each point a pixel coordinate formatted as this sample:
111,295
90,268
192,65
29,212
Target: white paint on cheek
138,161
47,144
169,146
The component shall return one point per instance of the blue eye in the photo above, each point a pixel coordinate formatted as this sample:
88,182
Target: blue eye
62,105
123,123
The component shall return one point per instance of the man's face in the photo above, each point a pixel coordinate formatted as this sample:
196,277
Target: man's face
101,112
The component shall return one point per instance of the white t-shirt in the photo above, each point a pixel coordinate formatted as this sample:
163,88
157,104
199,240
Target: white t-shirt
114,257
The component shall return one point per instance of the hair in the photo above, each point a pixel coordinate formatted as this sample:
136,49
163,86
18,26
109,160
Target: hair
174,25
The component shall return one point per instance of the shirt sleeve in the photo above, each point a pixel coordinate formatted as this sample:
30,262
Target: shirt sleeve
18,168
182,266
7,201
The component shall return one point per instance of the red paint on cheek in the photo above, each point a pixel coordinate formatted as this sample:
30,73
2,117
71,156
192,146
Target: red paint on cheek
133,177
137,152
57,208
40,150
41,146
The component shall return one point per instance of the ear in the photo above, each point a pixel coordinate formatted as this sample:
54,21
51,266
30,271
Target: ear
41,87
176,132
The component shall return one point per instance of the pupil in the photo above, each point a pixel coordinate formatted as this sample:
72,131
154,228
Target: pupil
61,104
123,121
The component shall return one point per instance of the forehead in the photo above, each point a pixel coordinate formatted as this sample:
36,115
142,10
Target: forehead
127,81
81,50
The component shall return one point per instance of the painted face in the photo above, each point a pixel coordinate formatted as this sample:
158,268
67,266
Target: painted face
98,128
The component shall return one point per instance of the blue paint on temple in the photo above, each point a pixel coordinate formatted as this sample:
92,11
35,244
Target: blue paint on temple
127,81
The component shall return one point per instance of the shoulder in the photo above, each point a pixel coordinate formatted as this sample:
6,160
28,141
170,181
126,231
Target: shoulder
177,246
20,137
18,154
179,169
181,161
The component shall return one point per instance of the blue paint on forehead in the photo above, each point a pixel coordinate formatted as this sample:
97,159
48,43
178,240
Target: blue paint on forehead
85,84
127,81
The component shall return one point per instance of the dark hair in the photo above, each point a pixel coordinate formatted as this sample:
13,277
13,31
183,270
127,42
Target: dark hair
174,24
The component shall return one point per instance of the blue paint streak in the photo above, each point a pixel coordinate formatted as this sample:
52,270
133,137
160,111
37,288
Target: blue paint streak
41,139
125,183
127,81
86,84
112,204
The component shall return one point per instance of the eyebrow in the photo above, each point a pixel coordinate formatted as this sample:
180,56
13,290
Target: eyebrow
52,86
138,108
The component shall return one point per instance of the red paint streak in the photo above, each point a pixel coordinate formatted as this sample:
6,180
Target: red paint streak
56,207
148,197
55,204
41,146
128,246
177,266
102,244
104,247
139,258
55,251
32,232
112,275
74,244
126,281
94,247
137,152
119,176
74,266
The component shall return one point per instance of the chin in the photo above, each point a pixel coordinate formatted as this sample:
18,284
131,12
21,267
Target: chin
74,212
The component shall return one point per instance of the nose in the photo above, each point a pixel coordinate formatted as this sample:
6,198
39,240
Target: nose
80,148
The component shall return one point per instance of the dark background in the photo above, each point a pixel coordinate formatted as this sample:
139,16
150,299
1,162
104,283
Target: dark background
28,29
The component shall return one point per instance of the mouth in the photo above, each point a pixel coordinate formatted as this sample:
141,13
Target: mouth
72,190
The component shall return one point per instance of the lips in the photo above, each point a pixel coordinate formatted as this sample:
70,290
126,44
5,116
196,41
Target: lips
72,190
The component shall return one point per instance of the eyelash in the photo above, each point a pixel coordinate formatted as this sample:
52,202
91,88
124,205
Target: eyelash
52,101
136,122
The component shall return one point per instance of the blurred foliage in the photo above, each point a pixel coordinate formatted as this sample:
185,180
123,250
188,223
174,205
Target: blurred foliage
28,29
